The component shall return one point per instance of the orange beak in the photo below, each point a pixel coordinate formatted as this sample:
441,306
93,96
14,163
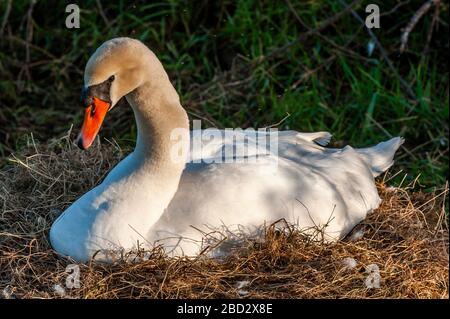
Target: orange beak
93,119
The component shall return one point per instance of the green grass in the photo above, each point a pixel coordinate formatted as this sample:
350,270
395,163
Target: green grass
212,51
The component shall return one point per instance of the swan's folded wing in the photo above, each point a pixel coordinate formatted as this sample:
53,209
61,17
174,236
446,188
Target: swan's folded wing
321,138
215,143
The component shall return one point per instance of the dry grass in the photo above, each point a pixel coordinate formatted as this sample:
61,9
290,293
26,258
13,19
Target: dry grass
406,238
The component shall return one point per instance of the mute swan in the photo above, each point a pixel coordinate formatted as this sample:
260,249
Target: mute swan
149,198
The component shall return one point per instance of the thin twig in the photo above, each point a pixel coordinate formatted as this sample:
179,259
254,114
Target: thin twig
430,31
394,9
102,13
412,23
29,39
279,122
31,46
5,17
291,7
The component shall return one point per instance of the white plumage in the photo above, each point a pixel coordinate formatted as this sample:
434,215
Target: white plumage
149,199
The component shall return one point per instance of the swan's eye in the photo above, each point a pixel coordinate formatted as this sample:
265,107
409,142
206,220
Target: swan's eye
100,91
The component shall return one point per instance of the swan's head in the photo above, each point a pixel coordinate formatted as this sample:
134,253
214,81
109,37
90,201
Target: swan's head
115,69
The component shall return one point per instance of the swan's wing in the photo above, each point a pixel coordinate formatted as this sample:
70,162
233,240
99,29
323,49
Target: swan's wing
321,138
214,143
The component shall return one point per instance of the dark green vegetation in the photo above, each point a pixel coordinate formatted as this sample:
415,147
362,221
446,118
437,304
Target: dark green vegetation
231,64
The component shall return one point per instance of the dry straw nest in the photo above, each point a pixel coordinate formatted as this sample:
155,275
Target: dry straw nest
406,239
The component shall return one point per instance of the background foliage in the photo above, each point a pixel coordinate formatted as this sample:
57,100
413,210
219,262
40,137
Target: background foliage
242,63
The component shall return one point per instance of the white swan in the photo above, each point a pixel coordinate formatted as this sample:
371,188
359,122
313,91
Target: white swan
149,198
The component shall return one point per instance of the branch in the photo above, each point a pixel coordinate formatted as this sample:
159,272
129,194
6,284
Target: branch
412,23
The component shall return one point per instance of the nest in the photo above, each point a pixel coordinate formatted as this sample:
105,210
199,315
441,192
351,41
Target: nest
399,251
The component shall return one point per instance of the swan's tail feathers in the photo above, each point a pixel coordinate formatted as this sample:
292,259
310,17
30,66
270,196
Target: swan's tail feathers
381,156
321,138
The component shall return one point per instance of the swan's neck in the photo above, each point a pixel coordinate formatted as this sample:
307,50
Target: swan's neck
155,174
158,113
